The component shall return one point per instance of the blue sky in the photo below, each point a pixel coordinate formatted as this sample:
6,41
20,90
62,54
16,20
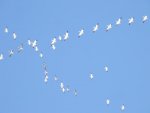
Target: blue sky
124,49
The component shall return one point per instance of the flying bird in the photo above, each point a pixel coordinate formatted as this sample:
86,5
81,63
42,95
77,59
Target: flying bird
122,107
53,41
41,55
91,76
20,48
36,48
144,19
118,22
131,20
107,101
14,36
67,89
61,85
29,42
108,27
6,29
81,32
63,89
55,78
60,38
46,79
1,57
75,92
11,53
34,43
95,28
66,35
53,47
106,69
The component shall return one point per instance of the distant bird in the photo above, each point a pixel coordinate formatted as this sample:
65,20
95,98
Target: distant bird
63,89
6,29
106,68
144,19
29,42
55,78
45,72
53,41
14,36
1,57
91,76
20,48
61,85
60,38
96,27
118,22
67,89
107,101
41,55
81,32
36,48
46,79
53,47
34,43
66,35
131,20
75,92
122,107
11,53
108,27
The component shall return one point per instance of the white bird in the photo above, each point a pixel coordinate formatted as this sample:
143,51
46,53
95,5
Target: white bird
130,20
14,36
91,76
107,101
106,68
96,27
34,43
45,72
53,47
108,27
63,89
67,89
60,38
36,48
61,85
66,35
20,48
53,41
118,22
41,55
46,79
81,32
11,52
29,42
122,107
55,78
6,29
75,92
144,19
1,57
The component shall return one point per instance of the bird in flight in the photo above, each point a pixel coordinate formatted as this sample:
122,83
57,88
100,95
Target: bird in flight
6,29
107,101
144,19
118,22
59,37
14,36
131,20
108,27
53,41
95,28
122,107
66,35
11,53
81,32
20,48
1,57
91,76
106,69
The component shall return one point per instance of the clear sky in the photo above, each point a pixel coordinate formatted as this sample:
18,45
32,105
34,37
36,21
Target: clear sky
124,49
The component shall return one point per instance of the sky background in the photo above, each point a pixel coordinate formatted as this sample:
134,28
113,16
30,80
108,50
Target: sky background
124,49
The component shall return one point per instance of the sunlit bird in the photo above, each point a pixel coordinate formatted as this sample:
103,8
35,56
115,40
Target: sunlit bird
118,22
46,79
36,48
34,43
81,32
53,41
63,89
29,42
122,107
131,20
96,27
59,37
107,101
108,27
75,92
106,69
144,19
6,29
55,78
41,55
11,53
1,57
14,36
67,89
53,47
61,85
91,76
66,35
20,48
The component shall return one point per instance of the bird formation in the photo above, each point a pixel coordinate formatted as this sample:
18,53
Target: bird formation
34,45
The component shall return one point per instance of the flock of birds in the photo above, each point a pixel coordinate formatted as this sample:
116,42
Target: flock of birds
34,44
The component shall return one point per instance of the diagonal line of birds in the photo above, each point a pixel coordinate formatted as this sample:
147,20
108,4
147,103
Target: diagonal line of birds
34,45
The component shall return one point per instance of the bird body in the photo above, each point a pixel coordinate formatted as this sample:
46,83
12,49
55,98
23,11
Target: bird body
66,36
96,27
130,20
1,57
118,22
81,32
108,27
144,19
